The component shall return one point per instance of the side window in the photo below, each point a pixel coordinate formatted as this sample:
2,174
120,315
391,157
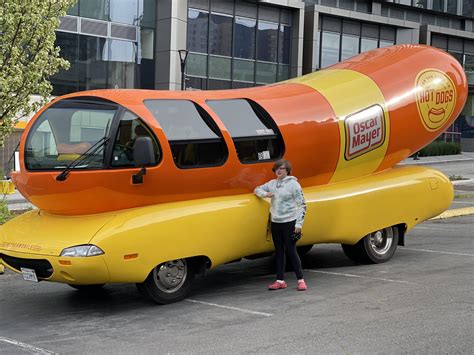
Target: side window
255,135
194,138
130,128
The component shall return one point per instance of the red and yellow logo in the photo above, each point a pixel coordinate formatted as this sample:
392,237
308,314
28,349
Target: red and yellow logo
435,98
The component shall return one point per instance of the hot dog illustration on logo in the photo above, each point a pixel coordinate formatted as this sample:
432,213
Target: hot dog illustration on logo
435,98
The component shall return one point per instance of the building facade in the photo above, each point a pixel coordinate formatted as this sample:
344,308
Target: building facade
245,43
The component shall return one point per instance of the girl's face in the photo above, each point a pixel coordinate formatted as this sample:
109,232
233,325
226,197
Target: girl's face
281,172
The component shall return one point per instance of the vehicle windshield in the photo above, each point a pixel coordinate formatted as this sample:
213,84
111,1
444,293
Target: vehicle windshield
66,131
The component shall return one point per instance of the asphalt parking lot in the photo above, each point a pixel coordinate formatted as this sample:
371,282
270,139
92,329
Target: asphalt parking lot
419,302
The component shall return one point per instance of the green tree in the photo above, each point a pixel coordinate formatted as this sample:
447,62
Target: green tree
28,56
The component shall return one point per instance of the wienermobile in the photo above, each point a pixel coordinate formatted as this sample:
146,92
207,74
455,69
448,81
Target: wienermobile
153,187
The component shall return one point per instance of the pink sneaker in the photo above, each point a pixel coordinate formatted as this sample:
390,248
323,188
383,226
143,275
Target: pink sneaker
302,286
277,285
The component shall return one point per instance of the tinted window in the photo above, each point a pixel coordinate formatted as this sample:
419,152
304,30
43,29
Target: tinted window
255,136
180,120
194,138
130,128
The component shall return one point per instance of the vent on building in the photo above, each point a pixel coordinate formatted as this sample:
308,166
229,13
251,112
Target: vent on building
123,32
67,23
94,27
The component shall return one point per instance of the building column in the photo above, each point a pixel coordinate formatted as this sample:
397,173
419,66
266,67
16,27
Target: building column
171,30
297,42
311,40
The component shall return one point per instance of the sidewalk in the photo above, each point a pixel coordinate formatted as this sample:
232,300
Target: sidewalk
464,156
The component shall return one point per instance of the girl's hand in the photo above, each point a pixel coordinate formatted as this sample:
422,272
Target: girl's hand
297,230
269,194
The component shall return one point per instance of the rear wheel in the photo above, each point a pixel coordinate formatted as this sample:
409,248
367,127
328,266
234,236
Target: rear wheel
376,247
168,282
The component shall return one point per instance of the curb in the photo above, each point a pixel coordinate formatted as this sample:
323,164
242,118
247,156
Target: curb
462,182
457,212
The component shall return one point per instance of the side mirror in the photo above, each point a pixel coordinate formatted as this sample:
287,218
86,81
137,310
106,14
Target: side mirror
143,155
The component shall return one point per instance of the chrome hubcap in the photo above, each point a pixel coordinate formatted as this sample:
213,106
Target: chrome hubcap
381,241
170,276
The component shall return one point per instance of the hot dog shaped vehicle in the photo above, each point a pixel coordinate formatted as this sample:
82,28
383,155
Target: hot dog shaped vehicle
151,187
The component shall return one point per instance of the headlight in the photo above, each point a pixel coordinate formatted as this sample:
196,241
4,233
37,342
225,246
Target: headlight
82,251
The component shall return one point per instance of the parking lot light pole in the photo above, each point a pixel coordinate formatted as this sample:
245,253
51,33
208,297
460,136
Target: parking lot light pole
183,55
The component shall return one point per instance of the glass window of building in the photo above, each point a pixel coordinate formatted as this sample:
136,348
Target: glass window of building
330,40
93,55
255,136
244,70
267,41
387,36
124,11
284,44
468,8
421,3
196,64
130,128
438,5
96,9
350,39
347,4
453,6
121,66
65,81
194,138
197,30
219,67
147,13
244,38
266,73
73,10
237,47
329,48
364,6
220,34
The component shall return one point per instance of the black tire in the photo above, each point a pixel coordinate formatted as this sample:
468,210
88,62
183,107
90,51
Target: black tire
168,282
374,248
87,288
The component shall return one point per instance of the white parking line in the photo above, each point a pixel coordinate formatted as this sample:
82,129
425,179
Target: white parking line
231,308
437,251
438,228
27,347
361,276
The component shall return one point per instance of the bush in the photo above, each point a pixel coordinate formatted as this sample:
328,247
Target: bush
440,148
5,213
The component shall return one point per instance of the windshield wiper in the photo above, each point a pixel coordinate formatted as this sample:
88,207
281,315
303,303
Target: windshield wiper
83,158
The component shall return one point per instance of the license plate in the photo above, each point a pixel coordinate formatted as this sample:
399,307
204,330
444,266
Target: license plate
29,275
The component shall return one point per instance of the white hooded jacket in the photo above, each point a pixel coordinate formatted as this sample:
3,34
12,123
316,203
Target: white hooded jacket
288,203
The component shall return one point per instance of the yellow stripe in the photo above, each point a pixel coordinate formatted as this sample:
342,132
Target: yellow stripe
349,92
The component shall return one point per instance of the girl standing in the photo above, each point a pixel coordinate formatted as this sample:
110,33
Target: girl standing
288,209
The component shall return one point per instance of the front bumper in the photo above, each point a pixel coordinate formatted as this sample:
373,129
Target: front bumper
80,271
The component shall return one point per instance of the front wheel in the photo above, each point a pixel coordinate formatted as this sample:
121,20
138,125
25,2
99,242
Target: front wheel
168,282
376,247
